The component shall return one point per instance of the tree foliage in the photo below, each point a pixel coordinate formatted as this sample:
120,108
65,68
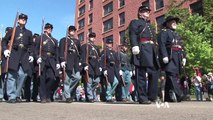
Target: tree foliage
197,34
208,10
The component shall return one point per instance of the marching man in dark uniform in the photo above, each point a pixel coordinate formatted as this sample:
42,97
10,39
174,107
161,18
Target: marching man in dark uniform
109,70
172,56
71,64
19,58
35,73
27,86
144,50
93,66
48,59
3,94
127,70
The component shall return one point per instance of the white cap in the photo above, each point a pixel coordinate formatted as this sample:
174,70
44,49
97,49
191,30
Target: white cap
209,73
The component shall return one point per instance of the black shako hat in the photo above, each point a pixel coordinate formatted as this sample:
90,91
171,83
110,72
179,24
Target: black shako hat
170,18
7,29
143,8
48,25
35,35
23,16
72,28
92,34
109,41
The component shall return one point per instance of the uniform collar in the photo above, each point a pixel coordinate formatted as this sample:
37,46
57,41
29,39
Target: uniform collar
49,35
91,43
173,30
144,19
21,27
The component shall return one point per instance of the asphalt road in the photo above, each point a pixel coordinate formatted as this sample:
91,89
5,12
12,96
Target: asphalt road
103,111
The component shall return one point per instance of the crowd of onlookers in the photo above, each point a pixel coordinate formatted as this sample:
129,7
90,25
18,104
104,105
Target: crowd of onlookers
203,86
200,86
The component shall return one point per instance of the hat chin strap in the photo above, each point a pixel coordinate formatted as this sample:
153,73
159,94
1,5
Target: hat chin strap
21,25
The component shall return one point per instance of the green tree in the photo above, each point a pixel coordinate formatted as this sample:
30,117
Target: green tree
208,10
197,34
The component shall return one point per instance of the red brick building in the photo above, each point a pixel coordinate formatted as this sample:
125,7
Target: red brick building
110,18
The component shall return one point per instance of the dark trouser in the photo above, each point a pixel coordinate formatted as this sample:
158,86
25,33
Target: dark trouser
103,89
1,88
141,82
145,92
35,87
171,84
55,86
118,92
27,88
153,85
46,82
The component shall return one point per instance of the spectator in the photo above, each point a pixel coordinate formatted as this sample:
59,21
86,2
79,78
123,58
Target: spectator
206,87
210,79
198,85
184,82
80,94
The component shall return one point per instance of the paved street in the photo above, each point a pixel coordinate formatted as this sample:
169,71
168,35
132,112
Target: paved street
103,111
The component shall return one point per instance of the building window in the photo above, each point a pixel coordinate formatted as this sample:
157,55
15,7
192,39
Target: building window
90,30
122,18
197,8
122,3
108,37
90,4
159,22
81,1
159,4
82,10
90,18
81,36
122,36
81,24
108,25
108,8
146,3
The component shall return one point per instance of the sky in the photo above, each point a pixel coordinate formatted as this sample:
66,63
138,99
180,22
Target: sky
60,13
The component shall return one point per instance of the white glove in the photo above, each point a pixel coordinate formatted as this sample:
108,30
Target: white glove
7,53
120,72
57,66
86,68
31,59
147,74
130,73
100,69
165,60
39,60
105,73
135,50
133,72
184,61
79,64
63,64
